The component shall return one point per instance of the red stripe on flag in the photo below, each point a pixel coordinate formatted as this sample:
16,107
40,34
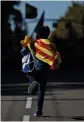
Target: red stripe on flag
46,46
45,55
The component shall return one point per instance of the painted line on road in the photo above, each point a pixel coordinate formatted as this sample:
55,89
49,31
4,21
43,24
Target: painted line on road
29,102
26,118
28,105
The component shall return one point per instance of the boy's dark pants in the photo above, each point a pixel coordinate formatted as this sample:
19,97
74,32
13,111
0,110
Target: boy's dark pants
41,77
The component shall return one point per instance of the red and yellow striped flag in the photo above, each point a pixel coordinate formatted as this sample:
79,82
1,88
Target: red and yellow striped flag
45,51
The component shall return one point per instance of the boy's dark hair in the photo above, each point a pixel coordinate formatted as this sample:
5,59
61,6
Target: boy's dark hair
43,32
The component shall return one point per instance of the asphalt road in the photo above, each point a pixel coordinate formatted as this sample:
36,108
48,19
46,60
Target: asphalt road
63,101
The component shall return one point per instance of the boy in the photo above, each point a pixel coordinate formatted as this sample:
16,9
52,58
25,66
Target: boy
45,54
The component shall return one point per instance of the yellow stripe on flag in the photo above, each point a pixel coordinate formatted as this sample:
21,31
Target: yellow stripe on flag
46,41
44,60
44,50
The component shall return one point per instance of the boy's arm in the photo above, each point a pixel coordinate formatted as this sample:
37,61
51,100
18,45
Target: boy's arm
28,42
25,41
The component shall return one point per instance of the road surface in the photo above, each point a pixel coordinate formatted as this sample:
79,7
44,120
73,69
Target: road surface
63,101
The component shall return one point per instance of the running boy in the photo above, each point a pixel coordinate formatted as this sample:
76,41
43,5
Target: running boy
47,58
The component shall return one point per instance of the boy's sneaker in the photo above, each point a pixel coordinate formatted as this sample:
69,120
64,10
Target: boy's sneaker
38,113
33,87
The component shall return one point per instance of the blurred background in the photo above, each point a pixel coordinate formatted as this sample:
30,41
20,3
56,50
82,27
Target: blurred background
20,18
64,95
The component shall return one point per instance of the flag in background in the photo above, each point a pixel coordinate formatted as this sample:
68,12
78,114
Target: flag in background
31,11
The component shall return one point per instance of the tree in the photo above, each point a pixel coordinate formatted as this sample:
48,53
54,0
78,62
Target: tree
10,42
69,32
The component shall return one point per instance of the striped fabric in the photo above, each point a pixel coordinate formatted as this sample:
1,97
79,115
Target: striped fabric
44,51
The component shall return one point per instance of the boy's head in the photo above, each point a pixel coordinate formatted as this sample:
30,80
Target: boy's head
43,32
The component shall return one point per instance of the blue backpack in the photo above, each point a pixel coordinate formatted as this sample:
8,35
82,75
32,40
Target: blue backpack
28,63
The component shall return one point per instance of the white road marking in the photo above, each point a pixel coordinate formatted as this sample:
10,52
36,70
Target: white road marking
26,118
29,102
28,105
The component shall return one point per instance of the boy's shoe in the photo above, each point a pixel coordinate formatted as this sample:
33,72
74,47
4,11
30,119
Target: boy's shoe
33,87
38,113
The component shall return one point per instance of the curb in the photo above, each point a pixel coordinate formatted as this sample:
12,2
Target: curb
48,84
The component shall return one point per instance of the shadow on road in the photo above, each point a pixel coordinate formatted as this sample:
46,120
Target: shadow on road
66,86
67,117
77,118
23,90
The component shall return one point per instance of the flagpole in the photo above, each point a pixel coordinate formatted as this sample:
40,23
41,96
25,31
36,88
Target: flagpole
39,23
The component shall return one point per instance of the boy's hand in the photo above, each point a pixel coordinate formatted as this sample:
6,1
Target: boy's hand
25,41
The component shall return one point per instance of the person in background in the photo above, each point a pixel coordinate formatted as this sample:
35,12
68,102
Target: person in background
47,58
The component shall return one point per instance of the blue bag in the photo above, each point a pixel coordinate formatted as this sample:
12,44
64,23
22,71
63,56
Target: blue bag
28,63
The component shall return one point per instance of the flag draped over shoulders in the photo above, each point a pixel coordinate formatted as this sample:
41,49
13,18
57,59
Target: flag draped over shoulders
44,50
